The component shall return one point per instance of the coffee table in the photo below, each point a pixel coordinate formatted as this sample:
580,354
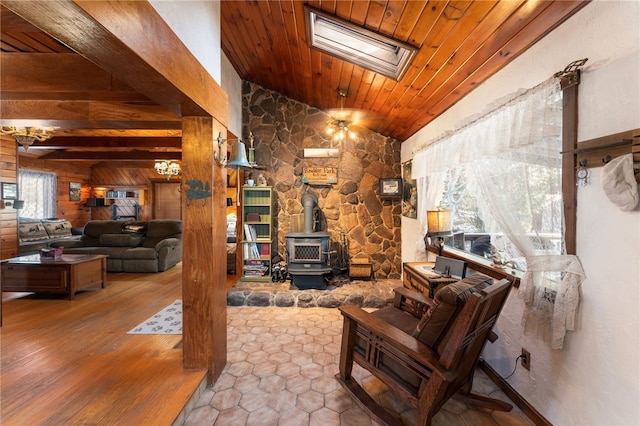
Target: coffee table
67,275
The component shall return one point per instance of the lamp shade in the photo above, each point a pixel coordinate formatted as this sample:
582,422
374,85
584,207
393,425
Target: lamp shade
438,222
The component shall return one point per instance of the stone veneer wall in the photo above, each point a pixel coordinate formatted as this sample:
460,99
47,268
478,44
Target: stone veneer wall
282,128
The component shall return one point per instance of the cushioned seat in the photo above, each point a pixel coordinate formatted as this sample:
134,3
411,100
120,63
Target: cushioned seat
141,253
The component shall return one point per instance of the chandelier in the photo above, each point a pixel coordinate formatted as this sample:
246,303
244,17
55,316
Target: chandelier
27,135
339,128
167,169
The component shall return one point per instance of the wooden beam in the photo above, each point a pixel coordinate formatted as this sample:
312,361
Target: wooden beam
62,142
203,235
103,113
133,43
124,165
112,155
60,76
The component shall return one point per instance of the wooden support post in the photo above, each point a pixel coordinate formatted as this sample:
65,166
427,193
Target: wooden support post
204,260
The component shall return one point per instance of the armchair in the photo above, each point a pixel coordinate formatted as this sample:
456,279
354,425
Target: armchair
424,350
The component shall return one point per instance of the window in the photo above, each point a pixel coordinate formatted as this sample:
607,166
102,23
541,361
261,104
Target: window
38,190
532,193
357,45
501,176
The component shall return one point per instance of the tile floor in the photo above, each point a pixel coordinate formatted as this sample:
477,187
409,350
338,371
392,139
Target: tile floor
280,371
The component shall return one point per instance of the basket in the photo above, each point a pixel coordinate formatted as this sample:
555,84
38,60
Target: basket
360,268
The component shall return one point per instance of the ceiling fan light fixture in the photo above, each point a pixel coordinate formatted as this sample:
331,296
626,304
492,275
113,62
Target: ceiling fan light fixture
338,129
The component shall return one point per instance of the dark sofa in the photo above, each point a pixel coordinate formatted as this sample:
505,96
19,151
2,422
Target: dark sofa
152,246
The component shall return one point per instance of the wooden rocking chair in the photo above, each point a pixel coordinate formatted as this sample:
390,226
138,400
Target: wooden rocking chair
424,350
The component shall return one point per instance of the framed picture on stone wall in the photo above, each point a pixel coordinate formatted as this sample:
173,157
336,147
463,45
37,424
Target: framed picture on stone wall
391,187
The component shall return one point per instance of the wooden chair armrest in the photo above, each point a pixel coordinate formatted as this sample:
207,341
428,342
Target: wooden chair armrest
417,304
413,295
395,338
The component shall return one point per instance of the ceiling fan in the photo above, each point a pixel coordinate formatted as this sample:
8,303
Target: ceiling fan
342,121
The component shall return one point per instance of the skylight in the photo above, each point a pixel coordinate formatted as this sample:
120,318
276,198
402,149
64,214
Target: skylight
357,45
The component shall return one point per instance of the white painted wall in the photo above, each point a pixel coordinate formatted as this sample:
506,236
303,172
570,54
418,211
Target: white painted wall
232,84
197,24
595,380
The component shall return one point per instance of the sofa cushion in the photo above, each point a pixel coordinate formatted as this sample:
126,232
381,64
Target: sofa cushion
113,252
121,240
32,231
141,253
446,303
57,228
95,228
159,229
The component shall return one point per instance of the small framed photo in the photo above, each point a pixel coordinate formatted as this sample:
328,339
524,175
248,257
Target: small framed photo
9,191
391,187
74,191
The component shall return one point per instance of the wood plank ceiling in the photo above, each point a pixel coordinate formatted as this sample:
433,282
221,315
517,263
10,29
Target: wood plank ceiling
460,44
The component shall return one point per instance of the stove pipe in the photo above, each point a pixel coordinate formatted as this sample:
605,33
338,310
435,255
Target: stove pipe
309,202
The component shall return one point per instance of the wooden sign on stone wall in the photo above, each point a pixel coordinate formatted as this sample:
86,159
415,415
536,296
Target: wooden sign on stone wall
320,175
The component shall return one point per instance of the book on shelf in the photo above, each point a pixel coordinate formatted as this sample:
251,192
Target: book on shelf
249,232
253,251
255,268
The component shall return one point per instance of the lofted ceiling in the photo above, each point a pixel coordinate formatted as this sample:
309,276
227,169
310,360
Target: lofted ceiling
98,118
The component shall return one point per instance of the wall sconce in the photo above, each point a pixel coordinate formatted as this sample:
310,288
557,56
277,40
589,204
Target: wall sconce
167,168
229,201
26,136
439,226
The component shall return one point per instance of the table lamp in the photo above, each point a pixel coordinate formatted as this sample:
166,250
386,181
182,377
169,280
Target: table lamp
439,226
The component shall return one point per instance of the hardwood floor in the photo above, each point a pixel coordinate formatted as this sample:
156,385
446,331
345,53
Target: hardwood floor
72,361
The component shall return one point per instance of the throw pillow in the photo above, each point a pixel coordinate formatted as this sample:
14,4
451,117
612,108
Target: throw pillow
135,227
32,231
57,228
446,303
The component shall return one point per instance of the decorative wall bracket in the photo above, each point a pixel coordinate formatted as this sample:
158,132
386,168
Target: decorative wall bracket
198,191
570,75
220,156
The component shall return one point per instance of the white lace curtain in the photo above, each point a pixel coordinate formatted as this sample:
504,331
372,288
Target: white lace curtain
38,190
510,155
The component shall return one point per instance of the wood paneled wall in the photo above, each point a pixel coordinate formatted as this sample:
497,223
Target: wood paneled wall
8,216
123,178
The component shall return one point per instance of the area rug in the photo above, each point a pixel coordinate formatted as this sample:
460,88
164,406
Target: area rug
167,321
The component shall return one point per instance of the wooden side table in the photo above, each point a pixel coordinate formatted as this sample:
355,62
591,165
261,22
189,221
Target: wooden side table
415,276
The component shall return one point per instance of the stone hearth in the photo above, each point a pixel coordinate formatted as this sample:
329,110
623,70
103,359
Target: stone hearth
366,294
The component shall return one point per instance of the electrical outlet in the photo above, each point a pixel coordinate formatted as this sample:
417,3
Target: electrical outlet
525,359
